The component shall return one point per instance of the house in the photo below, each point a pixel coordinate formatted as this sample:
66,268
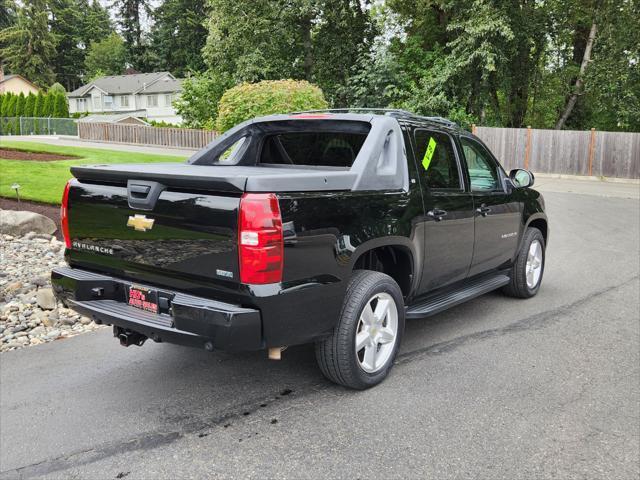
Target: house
16,84
147,95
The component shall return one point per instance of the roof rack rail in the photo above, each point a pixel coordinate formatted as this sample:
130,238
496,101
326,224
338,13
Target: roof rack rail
385,111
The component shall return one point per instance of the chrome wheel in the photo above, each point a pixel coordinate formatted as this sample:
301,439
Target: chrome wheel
534,264
376,332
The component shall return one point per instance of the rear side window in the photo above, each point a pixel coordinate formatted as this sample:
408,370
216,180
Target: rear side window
437,160
327,149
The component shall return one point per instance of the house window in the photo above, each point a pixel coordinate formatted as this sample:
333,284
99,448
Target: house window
167,99
108,102
96,103
124,100
152,100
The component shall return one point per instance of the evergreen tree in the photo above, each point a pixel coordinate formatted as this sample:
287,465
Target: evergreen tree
38,105
11,107
60,106
76,24
47,105
178,35
29,105
28,47
2,97
8,10
20,105
130,15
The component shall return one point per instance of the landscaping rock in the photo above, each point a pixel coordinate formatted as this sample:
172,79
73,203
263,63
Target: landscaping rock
28,316
19,223
45,299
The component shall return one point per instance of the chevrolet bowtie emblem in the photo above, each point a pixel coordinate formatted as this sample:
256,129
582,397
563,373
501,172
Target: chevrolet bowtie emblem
140,223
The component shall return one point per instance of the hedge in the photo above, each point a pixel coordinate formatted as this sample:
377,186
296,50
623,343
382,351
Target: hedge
249,100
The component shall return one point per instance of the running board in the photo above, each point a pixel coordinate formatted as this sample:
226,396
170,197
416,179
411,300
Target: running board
443,301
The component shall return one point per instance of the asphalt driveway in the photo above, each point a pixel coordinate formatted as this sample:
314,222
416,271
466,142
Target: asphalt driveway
495,388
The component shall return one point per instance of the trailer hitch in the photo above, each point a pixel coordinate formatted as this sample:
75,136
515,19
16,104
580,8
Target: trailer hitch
128,337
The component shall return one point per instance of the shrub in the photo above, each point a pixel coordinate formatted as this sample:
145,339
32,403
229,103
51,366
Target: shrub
56,88
47,106
198,101
29,105
60,106
20,105
250,100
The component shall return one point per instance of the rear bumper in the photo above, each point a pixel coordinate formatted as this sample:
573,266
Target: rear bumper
188,320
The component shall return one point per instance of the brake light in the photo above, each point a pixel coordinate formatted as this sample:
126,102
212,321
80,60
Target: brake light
260,244
64,215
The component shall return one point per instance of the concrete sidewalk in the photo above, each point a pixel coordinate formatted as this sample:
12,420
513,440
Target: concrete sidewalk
70,141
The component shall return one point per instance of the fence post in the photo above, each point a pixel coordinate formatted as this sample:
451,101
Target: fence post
592,148
20,122
474,129
527,148
48,125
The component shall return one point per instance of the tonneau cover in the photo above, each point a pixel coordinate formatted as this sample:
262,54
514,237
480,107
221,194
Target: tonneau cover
221,178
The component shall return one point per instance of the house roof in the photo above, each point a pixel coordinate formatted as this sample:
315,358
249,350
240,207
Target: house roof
15,75
115,118
124,84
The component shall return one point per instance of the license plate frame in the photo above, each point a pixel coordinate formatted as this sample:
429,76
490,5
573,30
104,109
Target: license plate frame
143,298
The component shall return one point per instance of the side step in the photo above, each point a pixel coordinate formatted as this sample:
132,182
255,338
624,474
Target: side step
443,301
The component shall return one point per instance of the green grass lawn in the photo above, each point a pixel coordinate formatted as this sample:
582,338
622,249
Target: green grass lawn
45,181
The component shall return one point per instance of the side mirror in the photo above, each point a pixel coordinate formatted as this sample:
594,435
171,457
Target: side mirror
521,178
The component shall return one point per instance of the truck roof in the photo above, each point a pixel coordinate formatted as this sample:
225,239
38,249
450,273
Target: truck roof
360,115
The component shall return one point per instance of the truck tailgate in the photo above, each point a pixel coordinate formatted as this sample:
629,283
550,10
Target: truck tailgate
185,235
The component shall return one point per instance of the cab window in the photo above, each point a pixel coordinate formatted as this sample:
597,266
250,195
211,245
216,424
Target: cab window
437,160
483,172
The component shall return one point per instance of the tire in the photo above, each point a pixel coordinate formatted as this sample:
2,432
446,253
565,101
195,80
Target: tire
520,285
337,356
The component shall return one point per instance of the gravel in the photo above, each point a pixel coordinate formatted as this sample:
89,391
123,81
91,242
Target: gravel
29,314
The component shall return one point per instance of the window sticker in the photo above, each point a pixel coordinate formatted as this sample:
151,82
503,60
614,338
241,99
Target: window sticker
426,161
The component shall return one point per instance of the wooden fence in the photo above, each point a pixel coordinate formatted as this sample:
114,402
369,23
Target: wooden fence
607,154
143,135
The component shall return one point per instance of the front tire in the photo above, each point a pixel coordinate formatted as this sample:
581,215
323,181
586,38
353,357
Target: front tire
363,345
526,273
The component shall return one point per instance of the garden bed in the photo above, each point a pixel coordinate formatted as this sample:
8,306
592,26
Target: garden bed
14,154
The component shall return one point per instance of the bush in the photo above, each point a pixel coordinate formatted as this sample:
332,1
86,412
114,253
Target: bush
60,106
250,100
198,101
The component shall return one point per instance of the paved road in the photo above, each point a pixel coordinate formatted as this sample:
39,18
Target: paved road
495,388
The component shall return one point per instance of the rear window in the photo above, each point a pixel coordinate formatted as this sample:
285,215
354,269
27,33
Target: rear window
327,149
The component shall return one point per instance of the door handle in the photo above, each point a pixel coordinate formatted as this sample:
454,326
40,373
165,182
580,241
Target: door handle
483,210
437,214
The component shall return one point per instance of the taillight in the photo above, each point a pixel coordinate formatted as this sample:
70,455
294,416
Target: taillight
260,244
64,215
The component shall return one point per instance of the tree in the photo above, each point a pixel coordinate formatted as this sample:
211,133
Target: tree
60,106
198,102
47,106
29,105
76,24
38,105
10,110
178,36
314,40
4,106
20,105
28,47
8,15
130,14
106,57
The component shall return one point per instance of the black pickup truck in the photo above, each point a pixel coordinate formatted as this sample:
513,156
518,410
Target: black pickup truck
330,227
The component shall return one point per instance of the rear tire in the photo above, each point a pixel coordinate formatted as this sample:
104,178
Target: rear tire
526,273
363,345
